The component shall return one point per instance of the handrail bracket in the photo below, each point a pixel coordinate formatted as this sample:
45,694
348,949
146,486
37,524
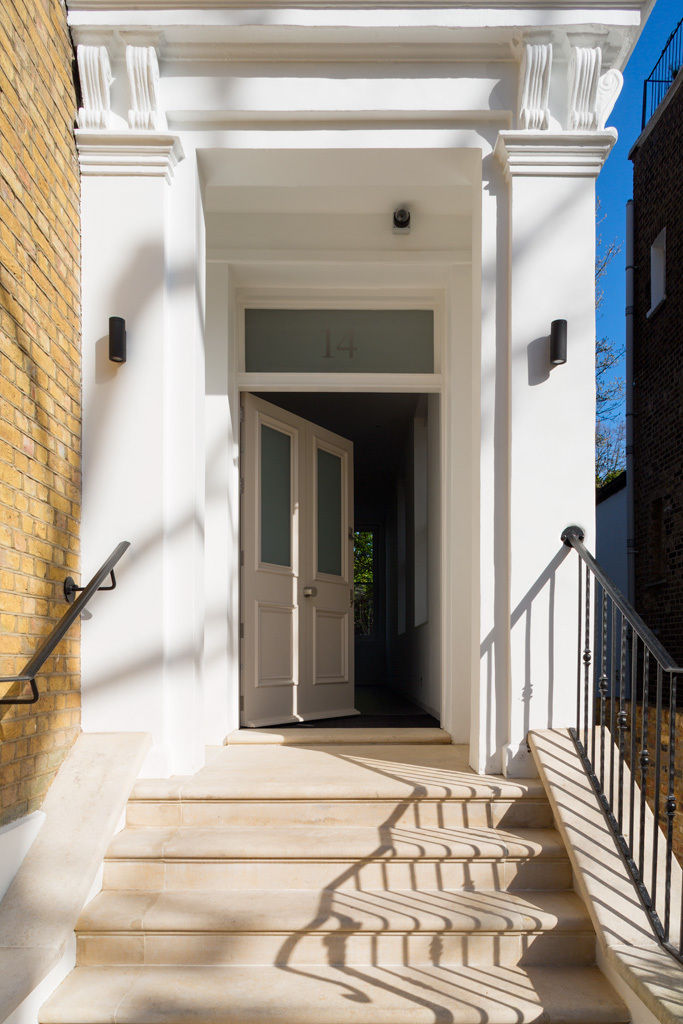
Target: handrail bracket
70,588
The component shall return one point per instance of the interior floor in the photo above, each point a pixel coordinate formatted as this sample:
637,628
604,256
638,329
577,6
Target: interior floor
378,707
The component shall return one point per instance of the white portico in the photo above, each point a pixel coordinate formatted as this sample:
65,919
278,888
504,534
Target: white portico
237,158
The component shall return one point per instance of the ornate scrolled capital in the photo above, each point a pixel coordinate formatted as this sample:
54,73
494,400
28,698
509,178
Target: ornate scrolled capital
585,63
94,71
609,87
143,82
535,70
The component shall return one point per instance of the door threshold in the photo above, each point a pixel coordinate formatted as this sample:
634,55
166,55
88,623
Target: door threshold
293,737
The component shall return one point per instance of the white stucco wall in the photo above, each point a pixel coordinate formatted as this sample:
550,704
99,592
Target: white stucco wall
295,154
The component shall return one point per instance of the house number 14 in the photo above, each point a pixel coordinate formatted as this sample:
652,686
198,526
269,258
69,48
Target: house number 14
346,344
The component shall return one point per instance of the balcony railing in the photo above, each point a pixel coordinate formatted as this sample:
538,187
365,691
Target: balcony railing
663,73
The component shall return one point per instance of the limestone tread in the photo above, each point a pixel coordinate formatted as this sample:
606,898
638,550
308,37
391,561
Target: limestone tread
329,995
287,911
313,842
391,772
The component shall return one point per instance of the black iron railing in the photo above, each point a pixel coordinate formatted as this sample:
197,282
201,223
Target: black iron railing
627,746
33,667
663,73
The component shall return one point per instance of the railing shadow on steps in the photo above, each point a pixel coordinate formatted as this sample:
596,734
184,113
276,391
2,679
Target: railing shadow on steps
34,665
627,684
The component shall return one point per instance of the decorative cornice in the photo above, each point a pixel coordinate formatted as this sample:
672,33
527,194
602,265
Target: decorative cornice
128,154
95,76
585,63
554,154
143,81
535,69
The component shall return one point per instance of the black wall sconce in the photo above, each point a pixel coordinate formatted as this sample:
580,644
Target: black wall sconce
117,339
558,342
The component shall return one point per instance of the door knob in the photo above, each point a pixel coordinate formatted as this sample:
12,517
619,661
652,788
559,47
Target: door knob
310,591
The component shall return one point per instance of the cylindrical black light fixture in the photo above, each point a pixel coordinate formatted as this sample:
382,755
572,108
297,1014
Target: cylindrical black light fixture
558,342
117,339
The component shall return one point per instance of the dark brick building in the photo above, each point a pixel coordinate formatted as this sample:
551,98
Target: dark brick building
658,369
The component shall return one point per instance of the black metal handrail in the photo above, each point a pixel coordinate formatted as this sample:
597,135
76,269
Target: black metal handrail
33,667
657,83
617,658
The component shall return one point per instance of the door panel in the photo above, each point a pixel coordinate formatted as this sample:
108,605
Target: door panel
275,645
296,593
330,646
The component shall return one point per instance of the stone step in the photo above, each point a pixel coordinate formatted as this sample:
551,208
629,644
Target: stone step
445,813
349,735
342,927
334,995
395,773
314,857
320,842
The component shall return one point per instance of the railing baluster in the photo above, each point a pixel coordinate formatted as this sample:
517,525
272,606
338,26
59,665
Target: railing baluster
578,658
633,705
621,725
670,804
658,767
586,661
644,759
603,688
591,714
612,704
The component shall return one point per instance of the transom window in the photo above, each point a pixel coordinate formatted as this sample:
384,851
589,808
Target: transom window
339,340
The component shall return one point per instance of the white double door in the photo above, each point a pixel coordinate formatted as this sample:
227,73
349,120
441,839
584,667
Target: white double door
297,568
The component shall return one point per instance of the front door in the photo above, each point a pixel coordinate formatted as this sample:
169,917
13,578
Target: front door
297,568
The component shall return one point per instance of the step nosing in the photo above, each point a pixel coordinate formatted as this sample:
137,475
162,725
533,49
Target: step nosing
554,931
340,858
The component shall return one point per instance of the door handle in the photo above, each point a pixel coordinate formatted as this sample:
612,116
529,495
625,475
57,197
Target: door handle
310,591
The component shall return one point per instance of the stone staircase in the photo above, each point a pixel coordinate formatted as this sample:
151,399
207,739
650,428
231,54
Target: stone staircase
369,884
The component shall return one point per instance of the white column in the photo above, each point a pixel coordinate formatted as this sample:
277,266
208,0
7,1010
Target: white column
489,710
140,651
552,414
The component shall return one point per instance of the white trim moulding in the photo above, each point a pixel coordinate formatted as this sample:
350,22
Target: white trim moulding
554,154
128,153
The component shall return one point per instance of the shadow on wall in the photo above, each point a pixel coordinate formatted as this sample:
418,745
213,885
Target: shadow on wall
543,589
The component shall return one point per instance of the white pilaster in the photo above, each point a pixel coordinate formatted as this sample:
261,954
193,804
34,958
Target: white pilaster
489,709
141,434
551,276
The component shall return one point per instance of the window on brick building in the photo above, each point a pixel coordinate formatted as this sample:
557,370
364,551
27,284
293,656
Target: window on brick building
657,272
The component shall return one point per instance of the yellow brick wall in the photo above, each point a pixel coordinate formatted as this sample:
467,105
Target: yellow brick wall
40,389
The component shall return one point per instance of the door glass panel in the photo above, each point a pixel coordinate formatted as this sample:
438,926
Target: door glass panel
339,340
276,531
329,500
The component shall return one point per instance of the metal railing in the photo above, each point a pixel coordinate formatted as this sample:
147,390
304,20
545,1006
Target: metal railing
33,667
627,749
663,73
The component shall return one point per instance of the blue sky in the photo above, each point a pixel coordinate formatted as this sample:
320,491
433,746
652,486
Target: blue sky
615,183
